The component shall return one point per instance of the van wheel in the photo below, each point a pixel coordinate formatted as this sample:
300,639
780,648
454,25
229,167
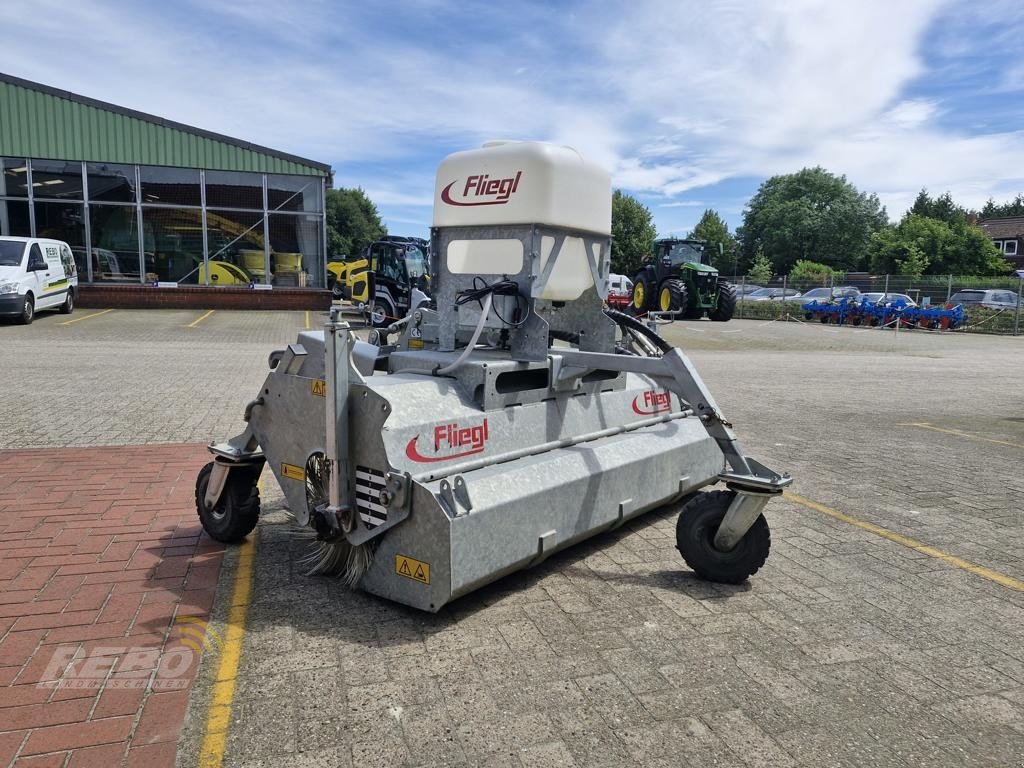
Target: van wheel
28,312
69,304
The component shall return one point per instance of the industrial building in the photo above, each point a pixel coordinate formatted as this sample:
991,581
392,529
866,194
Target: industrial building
148,202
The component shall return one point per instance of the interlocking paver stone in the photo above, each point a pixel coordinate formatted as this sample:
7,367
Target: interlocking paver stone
846,649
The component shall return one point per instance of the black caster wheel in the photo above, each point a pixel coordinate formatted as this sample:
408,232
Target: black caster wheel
238,509
698,523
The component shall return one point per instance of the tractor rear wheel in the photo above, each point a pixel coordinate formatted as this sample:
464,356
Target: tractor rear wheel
698,523
725,307
672,297
236,512
643,295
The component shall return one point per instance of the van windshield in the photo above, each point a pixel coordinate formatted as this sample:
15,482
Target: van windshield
10,253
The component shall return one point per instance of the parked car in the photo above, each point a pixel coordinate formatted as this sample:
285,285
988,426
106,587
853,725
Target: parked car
822,295
36,273
773,294
889,298
990,299
746,289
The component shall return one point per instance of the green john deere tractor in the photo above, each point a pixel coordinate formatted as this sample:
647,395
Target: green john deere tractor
677,277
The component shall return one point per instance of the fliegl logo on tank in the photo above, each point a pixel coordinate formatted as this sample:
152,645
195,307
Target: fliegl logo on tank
451,441
651,401
481,189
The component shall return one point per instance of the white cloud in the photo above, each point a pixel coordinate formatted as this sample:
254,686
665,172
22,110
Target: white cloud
672,96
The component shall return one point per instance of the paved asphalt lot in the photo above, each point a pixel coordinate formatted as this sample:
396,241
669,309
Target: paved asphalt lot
847,649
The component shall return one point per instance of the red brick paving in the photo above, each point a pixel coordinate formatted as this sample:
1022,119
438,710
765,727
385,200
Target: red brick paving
100,550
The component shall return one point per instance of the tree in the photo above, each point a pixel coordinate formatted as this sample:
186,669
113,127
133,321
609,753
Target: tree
810,272
715,232
1014,207
942,208
761,269
921,245
811,215
352,222
632,233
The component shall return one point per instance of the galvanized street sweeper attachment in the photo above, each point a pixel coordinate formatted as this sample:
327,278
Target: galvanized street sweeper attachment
515,419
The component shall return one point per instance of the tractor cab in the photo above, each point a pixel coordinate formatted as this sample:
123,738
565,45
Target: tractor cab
384,278
679,252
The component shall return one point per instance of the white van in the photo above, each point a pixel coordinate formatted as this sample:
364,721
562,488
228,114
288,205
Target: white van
36,274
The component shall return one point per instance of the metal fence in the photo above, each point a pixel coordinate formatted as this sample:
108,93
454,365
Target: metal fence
1004,316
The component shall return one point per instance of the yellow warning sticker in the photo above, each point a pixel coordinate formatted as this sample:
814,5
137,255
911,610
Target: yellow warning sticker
293,472
318,387
412,569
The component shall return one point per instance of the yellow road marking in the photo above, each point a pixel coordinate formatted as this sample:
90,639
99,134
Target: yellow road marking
218,717
978,570
958,433
198,320
307,320
86,317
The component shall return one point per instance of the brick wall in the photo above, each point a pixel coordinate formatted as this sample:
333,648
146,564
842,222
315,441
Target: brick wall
197,297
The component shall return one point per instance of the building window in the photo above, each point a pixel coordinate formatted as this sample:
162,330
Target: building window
111,182
237,248
169,186
57,180
61,221
114,234
296,242
1010,247
294,193
14,220
172,244
13,177
234,189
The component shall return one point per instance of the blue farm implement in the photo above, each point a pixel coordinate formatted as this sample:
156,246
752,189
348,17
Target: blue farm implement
863,312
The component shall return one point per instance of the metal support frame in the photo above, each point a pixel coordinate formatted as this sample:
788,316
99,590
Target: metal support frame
529,340
138,224
206,246
266,233
753,483
87,222
30,195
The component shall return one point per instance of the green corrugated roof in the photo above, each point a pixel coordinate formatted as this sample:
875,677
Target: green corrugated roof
39,121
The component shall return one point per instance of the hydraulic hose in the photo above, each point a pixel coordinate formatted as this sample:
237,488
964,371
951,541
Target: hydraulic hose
484,311
635,325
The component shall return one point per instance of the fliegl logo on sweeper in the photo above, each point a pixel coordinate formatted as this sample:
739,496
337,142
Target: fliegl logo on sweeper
451,441
481,189
651,401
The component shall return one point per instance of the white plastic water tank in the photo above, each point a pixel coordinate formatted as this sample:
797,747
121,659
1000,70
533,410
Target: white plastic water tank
520,182
523,182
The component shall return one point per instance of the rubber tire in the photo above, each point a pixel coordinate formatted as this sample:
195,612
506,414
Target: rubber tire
678,296
725,308
28,312
695,534
69,304
649,295
383,305
239,505
337,293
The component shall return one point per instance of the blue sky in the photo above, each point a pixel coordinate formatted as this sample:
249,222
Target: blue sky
689,104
